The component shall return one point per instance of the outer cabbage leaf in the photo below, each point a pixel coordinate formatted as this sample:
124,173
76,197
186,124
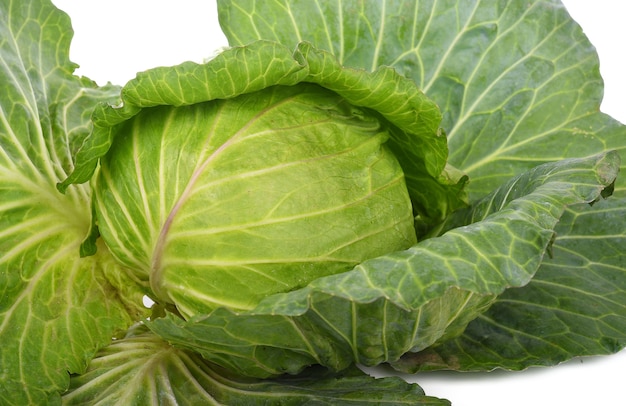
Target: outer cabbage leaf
416,139
518,84
574,306
143,369
405,301
56,309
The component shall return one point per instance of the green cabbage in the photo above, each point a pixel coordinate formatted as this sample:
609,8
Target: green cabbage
300,204
252,187
264,193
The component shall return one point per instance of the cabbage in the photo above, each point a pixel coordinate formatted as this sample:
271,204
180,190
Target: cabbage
357,186
225,202
257,187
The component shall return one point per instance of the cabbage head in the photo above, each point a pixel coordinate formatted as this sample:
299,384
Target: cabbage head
269,178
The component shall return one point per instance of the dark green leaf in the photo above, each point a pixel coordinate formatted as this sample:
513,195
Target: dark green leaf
574,306
517,83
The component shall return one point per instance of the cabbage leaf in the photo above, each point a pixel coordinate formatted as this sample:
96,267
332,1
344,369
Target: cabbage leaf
435,188
142,368
517,84
574,305
56,309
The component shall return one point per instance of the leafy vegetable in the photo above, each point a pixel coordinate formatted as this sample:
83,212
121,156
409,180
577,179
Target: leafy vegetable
314,116
229,223
518,86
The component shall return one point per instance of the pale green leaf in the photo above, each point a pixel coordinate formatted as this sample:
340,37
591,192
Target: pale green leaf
56,309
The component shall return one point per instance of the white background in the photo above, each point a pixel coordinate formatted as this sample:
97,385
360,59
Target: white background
116,38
